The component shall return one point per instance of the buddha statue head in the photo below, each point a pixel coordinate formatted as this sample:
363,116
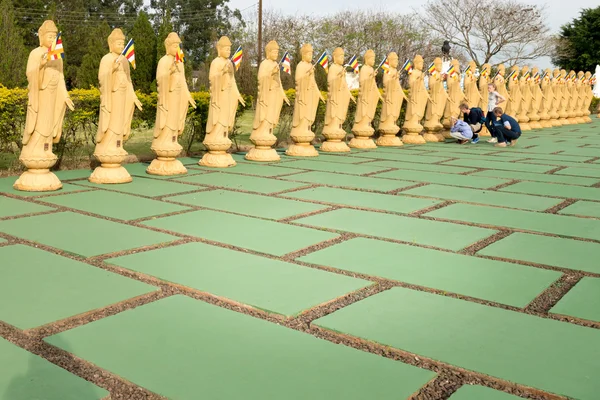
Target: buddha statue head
116,41
47,33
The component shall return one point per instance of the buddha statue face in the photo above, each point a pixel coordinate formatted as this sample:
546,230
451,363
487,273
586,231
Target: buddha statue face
338,56
487,68
370,58
473,66
563,73
47,34
502,69
556,73
116,41
272,51
224,47
580,75
393,60
172,44
418,62
307,53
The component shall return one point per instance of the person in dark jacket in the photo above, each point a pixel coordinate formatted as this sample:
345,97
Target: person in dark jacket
506,127
474,117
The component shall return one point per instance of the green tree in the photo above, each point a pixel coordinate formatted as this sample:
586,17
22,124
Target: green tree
96,48
578,44
14,53
165,27
145,50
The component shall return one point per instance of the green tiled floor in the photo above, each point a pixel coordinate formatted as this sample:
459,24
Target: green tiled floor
582,301
510,200
386,202
407,229
445,179
530,176
349,181
200,349
555,190
139,170
25,376
517,219
12,207
6,186
80,234
469,392
114,205
585,208
144,187
565,253
249,233
335,158
540,353
502,282
255,169
241,182
334,167
505,166
420,167
271,285
426,159
73,174
247,204
38,287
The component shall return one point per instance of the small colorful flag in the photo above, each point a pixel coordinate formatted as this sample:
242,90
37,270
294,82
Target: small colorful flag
513,74
323,61
431,68
593,80
180,57
286,63
384,65
526,75
129,52
236,59
451,71
468,70
407,66
56,50
536,77
484,73
544,75
353,63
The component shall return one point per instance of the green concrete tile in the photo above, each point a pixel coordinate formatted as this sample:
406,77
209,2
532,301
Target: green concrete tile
420,167
351,169
426,159
39,287
348,181
407,229
139,169
73,174
6,186
190,160
500,165
582,171
115,205
530,176
538,222
545,354
271,285
473,392
12,207
241,182
248,204
565,253
245,232
445,179
569,164
497,281
554,157
585,208
25,376
582,301
341,158
81,234
144,187
494,198
254,169
198,348
556,190
387,202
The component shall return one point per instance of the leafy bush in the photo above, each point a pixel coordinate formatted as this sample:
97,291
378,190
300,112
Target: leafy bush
594,105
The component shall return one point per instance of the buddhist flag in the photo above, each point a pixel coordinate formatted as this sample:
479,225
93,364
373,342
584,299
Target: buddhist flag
353,63
323,61
286,63
237,58
451,71
468,70
129,53
593,80
526,76
431,68
384,65
56,50
407,66
180,57
536,77
512,74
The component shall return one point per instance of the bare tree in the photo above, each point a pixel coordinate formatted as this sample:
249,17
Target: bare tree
490,31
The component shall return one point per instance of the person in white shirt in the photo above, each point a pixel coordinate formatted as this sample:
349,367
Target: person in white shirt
494,98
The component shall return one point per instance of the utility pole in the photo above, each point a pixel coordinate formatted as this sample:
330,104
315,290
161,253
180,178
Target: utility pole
260,24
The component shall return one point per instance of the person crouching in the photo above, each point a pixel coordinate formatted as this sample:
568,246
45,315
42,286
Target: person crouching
507,128
461,131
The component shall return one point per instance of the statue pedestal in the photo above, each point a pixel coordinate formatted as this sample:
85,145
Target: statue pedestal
388,136
362,137
38,177
217,156
525,126
166,163
262,151
432,129
412,132
110,170
333,142
302,147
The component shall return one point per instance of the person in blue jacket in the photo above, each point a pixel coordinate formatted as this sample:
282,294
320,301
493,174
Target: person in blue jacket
506,127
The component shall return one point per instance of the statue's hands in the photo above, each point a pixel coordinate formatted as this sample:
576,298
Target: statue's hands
70,104
137,104
116,65
275,70
44,60
192,101
242,102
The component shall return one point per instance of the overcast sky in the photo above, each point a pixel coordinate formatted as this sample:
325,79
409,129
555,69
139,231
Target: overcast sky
559,12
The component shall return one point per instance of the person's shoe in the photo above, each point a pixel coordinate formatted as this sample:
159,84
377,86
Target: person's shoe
493,140
475,141
514,142
502,144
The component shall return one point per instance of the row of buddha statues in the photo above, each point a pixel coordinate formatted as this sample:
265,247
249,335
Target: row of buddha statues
555,101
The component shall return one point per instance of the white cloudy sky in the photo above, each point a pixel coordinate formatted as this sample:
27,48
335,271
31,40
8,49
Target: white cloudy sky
558,12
